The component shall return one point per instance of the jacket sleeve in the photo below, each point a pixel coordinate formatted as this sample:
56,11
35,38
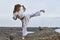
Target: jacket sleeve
14,16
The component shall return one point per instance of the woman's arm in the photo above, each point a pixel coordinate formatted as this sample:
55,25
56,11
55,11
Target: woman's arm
15,16
22,18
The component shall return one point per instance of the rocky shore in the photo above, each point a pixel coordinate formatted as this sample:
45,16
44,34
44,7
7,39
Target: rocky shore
40,33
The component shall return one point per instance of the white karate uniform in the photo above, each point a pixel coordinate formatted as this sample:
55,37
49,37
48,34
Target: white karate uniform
25,20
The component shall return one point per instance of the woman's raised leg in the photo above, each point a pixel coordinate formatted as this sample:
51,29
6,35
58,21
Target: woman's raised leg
35,14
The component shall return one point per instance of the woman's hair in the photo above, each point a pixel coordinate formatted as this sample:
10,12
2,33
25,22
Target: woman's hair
16,6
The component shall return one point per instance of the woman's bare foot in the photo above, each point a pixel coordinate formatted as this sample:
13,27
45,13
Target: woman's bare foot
42,11
23,38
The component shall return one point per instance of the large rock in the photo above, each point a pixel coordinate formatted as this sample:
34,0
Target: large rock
41,33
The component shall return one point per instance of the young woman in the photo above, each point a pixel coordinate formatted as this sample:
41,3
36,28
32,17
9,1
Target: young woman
19,12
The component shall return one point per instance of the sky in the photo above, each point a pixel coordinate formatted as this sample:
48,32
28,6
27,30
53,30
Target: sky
51,17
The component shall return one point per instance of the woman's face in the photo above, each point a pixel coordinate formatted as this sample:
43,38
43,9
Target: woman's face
18,9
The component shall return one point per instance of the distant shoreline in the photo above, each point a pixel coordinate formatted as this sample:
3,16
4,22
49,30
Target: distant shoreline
33,27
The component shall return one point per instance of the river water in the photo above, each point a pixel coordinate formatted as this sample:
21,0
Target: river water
57,30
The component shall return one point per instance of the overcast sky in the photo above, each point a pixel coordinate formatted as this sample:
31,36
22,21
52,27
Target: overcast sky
50,18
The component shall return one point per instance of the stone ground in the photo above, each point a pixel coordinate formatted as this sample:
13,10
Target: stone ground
40,34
